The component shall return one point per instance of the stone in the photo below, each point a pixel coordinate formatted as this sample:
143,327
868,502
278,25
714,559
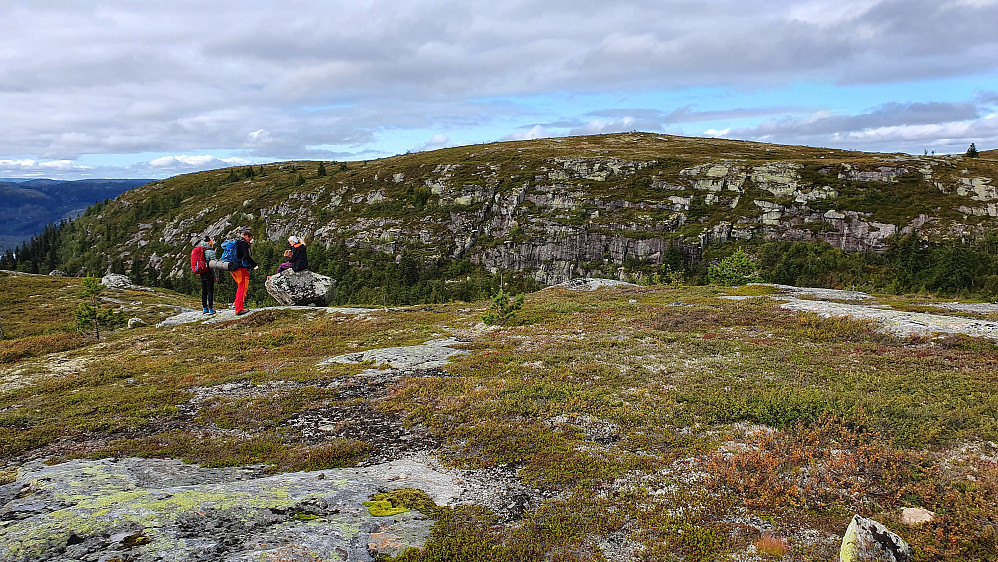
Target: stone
430,355
916,516
135,322
117,281
158,509
592,283
57,273
866,540
302,288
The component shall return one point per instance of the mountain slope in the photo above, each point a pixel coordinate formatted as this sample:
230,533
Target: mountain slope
551,208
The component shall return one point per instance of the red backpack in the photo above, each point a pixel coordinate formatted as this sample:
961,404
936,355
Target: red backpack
198,263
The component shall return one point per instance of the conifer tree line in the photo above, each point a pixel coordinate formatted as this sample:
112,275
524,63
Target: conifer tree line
911,264
965,267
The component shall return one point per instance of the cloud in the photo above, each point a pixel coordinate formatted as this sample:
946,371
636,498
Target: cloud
41,169
535,132
197,162
437,141
90,78
891,127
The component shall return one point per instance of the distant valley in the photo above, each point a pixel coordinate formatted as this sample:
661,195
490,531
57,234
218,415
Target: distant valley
27,205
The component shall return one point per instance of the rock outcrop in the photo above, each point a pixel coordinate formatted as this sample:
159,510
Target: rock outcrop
430,355
302,288
149,509
866,540
117,281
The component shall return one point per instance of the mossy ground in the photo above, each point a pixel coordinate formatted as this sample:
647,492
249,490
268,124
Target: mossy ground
663,420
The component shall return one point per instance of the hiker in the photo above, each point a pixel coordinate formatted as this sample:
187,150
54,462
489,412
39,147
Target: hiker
244,263
297,257
206,274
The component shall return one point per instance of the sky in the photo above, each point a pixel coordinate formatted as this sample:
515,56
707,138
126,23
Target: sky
111,89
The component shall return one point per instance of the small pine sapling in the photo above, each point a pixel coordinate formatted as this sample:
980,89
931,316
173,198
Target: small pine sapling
91,314
503,308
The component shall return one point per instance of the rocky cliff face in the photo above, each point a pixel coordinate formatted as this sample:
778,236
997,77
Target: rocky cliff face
564,208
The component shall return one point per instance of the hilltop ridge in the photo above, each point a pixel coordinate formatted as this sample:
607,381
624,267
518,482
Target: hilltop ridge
615,205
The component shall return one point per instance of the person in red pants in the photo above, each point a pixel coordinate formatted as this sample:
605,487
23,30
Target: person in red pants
244,264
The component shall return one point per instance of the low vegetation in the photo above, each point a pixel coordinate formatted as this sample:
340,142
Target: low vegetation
656,423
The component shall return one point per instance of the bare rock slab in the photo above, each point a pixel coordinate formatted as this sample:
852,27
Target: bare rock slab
151,509
591,284
302,288
430,355
867,540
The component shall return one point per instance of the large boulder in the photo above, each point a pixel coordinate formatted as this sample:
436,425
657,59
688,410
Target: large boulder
866,540
117,281
303,288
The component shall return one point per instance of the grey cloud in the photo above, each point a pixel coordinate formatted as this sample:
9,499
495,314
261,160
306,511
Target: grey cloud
97,77
945,128
889,115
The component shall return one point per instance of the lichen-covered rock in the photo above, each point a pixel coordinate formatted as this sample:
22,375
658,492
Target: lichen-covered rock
866,540
57,273
117,281
135,322
430,355
148,509
302,288
591,284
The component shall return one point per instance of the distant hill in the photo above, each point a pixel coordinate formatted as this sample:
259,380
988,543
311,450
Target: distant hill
27,205
432,226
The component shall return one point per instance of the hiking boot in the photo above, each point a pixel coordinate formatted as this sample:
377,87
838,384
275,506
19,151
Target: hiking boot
204,310
241,312
211,311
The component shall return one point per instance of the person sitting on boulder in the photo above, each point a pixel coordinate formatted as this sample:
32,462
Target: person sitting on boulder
297,257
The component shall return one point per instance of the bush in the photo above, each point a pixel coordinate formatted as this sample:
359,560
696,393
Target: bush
736,269
503,308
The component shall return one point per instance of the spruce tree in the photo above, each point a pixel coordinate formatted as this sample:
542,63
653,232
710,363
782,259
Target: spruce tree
972,151
322,170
